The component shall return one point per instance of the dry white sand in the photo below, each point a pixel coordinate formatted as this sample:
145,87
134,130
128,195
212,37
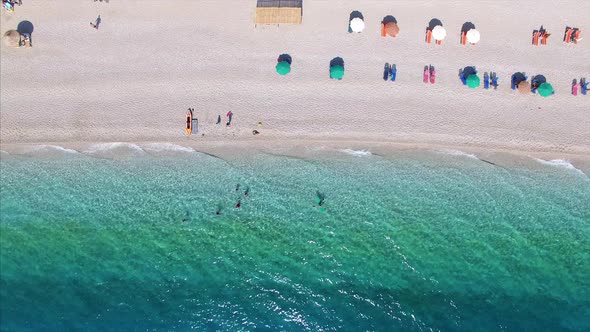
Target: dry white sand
133,80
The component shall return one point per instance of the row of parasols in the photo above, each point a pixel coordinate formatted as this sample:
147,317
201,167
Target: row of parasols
434,31
283,66
468,76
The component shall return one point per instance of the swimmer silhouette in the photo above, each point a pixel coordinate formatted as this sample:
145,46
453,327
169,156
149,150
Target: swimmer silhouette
247,191
237,187
239,204
319,198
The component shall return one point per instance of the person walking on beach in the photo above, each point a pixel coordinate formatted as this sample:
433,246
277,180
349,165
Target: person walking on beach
229,116
96,23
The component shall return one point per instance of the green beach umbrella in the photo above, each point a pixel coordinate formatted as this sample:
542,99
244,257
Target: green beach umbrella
336,72
283,68
473,81
545,89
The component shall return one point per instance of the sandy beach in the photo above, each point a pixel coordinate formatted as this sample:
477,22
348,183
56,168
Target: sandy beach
133,79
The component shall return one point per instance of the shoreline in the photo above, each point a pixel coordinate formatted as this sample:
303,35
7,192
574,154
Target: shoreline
309,148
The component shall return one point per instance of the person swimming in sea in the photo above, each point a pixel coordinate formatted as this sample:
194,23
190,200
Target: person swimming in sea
237,187
218,211
247,191
319,198
239,204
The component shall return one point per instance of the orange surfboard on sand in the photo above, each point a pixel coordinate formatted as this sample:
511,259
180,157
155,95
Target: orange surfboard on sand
189,123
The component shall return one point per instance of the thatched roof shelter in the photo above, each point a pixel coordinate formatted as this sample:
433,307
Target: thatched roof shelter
279,11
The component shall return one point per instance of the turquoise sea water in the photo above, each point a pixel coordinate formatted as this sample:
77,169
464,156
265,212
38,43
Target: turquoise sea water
440,243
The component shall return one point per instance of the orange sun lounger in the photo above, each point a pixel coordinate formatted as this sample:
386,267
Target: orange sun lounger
383,33
576,36
544,38
428,35
463,38
568,36
536,36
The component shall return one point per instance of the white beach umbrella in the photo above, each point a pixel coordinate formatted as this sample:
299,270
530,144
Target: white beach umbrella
473,36
439,33
357,24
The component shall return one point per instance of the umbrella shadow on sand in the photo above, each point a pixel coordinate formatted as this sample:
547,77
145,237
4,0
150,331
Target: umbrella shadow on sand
285,57
469,70
434,22
389,19
337,61
467,26
356,14
518,77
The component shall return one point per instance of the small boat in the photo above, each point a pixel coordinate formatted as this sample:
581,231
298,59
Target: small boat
189,123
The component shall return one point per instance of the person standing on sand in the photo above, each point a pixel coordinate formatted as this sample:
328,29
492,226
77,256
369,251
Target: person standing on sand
97,22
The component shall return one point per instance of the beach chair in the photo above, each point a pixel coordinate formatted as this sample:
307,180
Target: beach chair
432,73
576,35
386,72
575,87
494,80
567,38
393,72
463,38
486,80
544,37
584,85
383,33
462,77
428,35
536,35
426,74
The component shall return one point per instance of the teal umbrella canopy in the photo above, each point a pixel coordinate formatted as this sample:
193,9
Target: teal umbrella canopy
545,89
283,68
473,81
337,72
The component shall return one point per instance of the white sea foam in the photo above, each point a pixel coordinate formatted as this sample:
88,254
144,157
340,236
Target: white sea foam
115,150
561,163
5,153
45,149
357,153
167,147
457,153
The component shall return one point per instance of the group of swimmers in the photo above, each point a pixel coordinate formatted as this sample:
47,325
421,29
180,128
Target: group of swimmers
320,200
